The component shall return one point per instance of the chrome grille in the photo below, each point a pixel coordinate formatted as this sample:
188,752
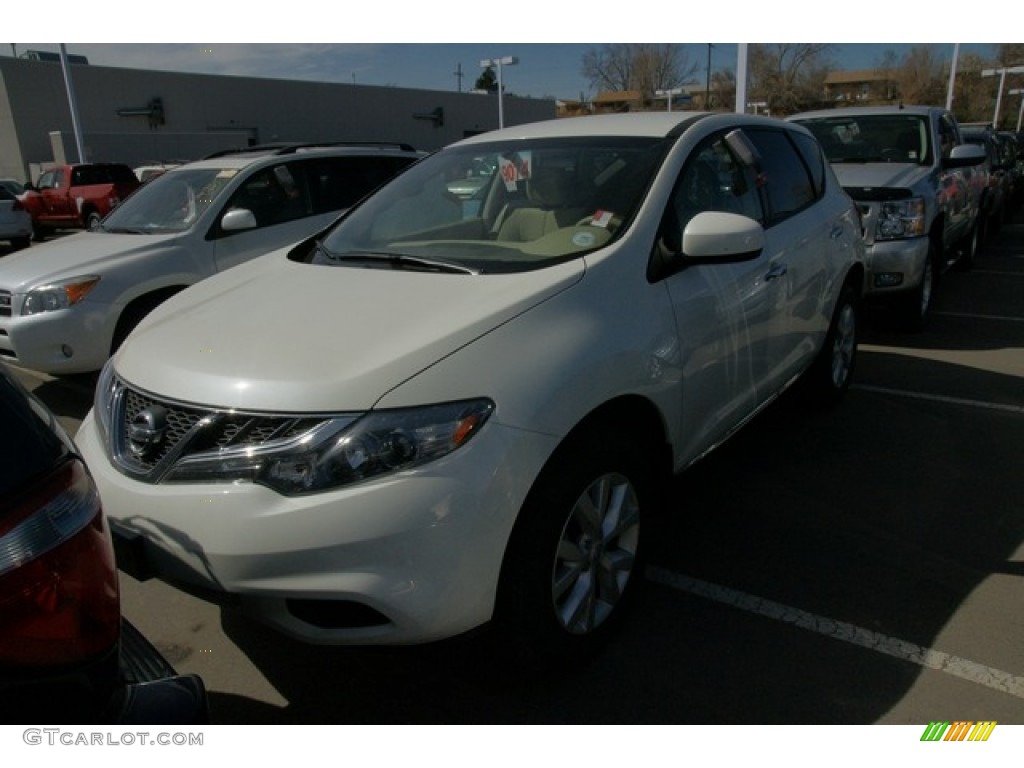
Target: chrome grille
179,422
186,430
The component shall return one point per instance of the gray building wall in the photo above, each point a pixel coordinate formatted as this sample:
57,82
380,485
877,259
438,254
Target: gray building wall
204,113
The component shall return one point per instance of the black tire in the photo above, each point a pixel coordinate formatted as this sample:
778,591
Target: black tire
913,308
39,232
828,378
574,559
92,219
20,243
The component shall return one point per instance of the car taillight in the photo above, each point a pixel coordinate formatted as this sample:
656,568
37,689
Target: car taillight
59,601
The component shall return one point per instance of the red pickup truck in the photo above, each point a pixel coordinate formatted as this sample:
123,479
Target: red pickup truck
77,195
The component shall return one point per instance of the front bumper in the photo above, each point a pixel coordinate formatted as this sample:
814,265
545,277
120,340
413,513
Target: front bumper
72,340
894,267
407,558
16,229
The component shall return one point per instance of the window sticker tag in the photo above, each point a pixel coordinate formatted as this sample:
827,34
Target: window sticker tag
514,168
601,218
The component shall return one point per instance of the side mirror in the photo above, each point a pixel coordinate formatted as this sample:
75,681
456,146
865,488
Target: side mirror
965,155
717,237
238,219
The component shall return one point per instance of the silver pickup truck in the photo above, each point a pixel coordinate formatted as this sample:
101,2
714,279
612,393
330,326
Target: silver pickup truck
904,167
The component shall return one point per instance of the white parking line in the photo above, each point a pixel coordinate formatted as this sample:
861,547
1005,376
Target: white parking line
971,316
840,630
1005,407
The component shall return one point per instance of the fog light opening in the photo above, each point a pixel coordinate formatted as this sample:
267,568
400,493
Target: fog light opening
888,279
67,351
336,614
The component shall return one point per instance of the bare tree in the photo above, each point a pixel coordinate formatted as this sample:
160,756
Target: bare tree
790,77
643,67
923,77
973,97
1010,54
887,68
723,89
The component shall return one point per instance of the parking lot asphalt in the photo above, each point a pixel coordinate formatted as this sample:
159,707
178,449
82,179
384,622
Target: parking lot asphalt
859,565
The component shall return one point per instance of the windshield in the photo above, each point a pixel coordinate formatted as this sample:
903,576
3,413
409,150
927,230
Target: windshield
506,207
892,138
171,202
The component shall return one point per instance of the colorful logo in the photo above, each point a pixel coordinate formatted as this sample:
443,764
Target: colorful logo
960,730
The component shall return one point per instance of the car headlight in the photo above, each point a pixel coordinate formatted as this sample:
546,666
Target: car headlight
60,295
901,218
343,449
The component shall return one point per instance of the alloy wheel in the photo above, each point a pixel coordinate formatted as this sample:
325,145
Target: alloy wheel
596,554
844,345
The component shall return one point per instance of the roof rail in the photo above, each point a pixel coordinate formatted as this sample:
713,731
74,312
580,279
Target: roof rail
293,147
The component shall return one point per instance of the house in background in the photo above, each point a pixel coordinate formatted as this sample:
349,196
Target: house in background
866,86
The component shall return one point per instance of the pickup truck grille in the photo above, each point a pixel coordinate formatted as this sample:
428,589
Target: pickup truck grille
5,303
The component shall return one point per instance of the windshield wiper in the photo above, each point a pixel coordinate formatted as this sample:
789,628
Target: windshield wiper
122,230
400,261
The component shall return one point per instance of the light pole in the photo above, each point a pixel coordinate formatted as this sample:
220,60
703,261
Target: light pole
76,126
707,82
1020,113
952,77
1002,71
507,61
668,93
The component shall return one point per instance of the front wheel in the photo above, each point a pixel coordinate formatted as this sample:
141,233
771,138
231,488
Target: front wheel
913,308
92,220
573,560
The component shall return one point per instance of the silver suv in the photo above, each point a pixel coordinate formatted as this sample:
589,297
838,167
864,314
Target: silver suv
904,167
69,304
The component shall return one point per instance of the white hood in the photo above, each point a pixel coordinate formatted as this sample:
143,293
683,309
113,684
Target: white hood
879,175
83,253
275,335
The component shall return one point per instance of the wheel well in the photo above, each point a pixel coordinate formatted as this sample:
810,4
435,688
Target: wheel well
137,309
632,415
855,278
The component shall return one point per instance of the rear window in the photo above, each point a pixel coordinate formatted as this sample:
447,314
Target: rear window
102,174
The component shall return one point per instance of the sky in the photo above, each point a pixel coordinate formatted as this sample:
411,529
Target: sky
404,45
542,70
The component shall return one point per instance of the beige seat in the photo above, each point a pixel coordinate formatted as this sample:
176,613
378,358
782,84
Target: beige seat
554,200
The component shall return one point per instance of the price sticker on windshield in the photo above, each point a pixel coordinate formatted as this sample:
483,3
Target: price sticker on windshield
515,168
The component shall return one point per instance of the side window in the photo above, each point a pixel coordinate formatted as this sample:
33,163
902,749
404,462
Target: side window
811,154
85,175
274,195
947,136
47,181
712,180
785,178
337,183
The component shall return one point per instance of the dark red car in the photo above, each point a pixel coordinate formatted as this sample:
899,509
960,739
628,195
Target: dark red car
66,654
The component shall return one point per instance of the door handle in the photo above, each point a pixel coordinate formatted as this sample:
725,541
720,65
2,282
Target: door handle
777,270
